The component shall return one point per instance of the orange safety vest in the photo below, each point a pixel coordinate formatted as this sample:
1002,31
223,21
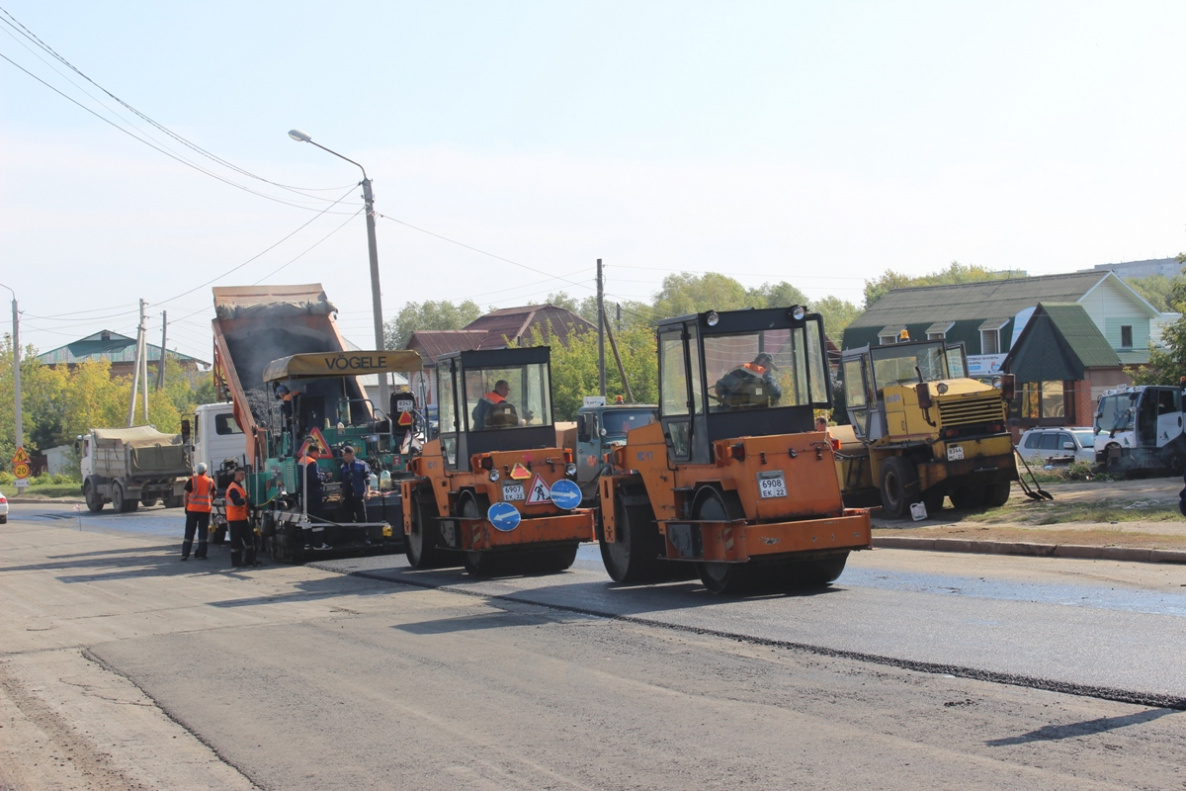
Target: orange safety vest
236,513
494,398
201,499
754,368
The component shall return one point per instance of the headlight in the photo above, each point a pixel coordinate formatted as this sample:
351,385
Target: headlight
571,469
942,388
712,318
495,475
798,312
996,382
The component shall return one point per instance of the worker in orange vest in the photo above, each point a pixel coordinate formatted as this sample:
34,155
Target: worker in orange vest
199,499
750,384
242,542
489,402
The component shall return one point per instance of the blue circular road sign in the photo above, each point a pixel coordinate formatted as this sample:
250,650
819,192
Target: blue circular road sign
566,494
503,516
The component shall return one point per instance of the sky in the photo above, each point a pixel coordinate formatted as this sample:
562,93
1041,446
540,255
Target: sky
512,144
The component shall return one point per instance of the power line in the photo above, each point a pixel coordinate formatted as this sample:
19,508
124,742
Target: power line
20,28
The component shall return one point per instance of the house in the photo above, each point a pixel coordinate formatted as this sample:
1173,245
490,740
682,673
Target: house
495,330
989,316
119,349
1062,364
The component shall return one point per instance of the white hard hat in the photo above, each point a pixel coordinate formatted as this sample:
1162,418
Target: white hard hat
201,467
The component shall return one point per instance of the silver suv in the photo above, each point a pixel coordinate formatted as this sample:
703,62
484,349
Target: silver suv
1057,445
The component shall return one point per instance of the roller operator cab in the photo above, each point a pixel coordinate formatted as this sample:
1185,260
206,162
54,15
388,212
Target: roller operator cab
733,482
493,492
923,430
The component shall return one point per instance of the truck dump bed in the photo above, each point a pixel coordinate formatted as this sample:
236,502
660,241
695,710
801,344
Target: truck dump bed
138,451
255,325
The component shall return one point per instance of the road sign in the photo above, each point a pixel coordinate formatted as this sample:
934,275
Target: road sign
20,457
20,470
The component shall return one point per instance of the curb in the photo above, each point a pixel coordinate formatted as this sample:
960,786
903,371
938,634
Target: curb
1077,551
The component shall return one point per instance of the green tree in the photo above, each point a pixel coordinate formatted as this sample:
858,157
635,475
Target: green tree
1167,362
955,273
1158,289
575,375
687,293
775,295
440,315
837,314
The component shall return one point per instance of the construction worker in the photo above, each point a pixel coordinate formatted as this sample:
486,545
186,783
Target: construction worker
750,384
493,410
311,476
356,487
199,499
237,522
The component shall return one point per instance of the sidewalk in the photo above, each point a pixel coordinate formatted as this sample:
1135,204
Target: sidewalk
1131,541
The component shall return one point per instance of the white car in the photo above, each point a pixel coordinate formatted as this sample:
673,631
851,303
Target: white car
1057,445
3,509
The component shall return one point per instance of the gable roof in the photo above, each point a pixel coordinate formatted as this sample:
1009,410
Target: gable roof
990,299
1059,342
514,323
433,343
107,345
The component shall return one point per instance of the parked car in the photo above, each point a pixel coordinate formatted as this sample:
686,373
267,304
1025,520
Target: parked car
3,509
1058,445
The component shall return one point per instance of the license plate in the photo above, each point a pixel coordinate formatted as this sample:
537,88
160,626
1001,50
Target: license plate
773,485
955,452
513,491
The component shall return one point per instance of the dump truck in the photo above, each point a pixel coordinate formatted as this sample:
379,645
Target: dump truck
494,491
295,392
1141,429
923,430
733,482
129,467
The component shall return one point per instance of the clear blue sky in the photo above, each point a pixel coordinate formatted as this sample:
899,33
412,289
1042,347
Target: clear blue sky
814,142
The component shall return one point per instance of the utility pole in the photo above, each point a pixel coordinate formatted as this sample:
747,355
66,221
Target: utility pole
136,370
160,371
16,379
600,327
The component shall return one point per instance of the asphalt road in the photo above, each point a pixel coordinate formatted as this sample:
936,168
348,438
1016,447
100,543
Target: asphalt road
915,670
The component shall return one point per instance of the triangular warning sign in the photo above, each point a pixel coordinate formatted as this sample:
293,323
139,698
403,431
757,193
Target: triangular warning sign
519,472
539,492
20,457
405,418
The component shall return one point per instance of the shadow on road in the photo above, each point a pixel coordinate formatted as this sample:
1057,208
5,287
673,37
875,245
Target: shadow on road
1087,728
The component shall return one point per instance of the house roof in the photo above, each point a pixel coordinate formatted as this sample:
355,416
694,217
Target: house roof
997,300
106,345
513,323
433,343
1059,342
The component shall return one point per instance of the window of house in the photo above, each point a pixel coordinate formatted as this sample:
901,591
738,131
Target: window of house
938,331
1126,336
1045,400
990,341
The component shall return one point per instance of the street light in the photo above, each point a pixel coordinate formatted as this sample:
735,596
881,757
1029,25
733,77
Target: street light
16,376
376,298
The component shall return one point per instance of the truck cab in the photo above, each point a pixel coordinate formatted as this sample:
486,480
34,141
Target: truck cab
600,428
1141,428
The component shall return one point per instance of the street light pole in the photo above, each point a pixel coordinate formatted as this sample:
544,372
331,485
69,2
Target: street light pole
16,373
373,248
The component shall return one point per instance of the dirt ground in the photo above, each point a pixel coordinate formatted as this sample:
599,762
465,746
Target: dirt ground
1144,493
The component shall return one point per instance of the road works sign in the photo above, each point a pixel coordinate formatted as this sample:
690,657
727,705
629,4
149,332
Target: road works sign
20,464
20,457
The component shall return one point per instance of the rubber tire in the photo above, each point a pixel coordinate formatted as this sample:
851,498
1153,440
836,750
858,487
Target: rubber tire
968,498
899,487
709,505
122,503
634,557
174,501
420,548
148,502
94,502
996,494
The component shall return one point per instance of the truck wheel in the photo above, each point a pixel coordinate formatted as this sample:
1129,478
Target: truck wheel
421,546
148,502
710,506
174,501
94,500
634,556
996,494
899,487
120,501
